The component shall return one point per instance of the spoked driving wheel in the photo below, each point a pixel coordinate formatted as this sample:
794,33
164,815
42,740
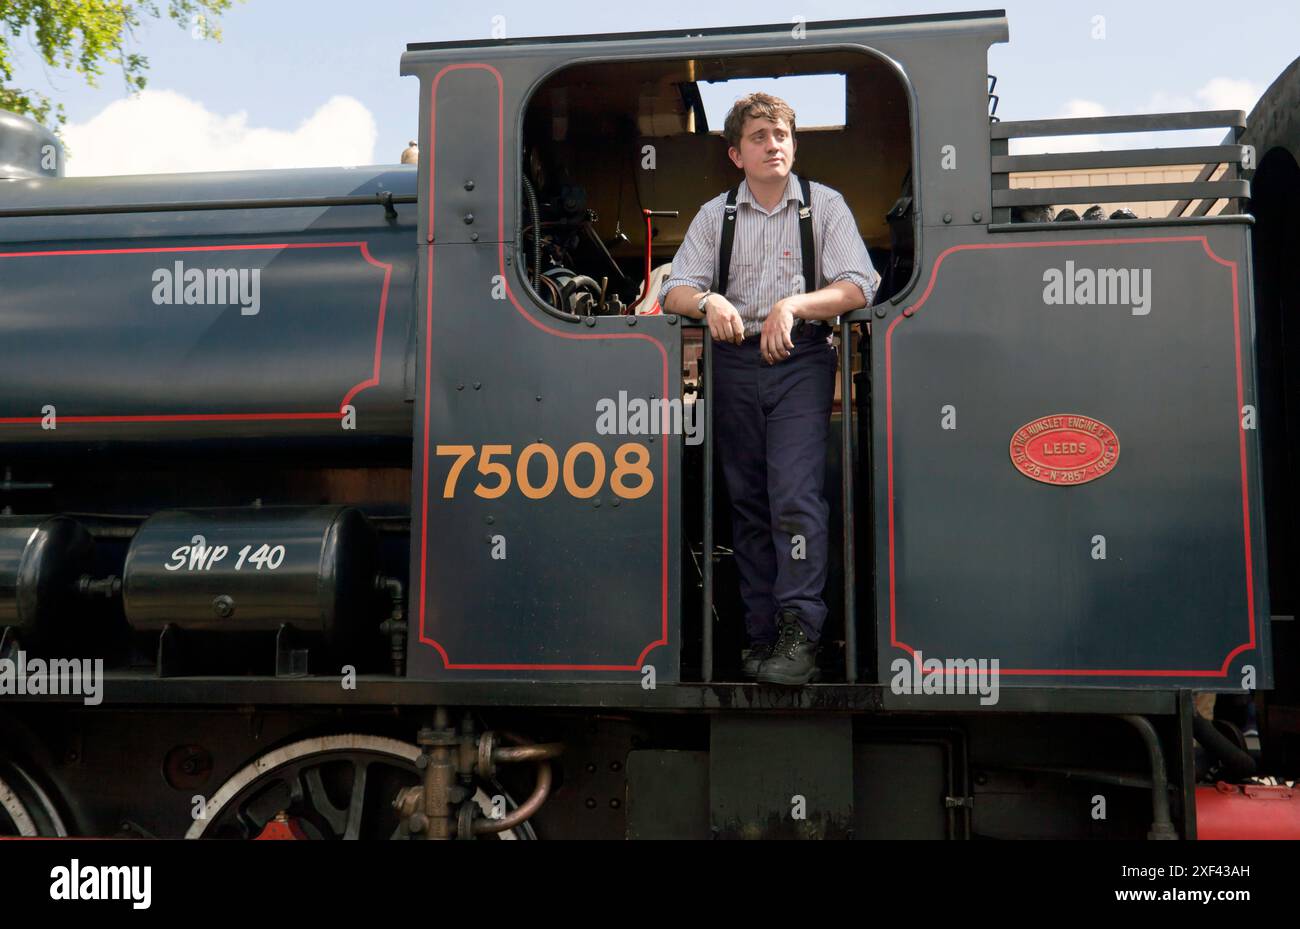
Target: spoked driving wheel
331,787
25,808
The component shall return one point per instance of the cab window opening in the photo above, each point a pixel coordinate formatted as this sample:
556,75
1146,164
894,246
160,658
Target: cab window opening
605,141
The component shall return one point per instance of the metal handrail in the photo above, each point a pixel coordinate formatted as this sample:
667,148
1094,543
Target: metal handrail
705,388
1121,158
386,199
1115,193
848,468
1142,122
1230,187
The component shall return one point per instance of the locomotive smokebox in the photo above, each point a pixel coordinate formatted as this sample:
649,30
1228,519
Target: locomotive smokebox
28,149
42,559
255,570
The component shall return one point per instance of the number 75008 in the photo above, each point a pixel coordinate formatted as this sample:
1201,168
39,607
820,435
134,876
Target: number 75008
630,479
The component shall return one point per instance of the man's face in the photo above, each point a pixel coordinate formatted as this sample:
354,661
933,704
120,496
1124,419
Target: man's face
766,150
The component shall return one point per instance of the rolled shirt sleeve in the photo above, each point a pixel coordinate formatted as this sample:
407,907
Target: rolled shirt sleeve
844,256
695,258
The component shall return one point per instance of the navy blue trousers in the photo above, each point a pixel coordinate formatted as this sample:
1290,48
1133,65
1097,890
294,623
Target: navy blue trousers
770,425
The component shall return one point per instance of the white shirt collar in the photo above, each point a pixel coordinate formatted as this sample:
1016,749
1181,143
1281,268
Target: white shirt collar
793,191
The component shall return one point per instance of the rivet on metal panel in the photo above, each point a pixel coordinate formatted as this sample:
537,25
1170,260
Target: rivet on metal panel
589,320
672,320
977,217
947,217
473,236
596,502
491,520
460,386
880,312
469,185
469,218
477,385
631,320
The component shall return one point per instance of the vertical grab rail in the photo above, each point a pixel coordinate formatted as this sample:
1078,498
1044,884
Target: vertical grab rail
705,380
847,471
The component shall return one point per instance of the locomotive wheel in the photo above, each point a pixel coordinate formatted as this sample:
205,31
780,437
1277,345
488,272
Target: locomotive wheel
332,787
25,809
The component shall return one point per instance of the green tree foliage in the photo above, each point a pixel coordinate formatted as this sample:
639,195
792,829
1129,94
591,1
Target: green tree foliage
84,36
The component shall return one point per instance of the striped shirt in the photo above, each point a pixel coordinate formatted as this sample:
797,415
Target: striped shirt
766,260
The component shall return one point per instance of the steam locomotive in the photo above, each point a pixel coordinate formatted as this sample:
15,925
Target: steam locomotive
304,472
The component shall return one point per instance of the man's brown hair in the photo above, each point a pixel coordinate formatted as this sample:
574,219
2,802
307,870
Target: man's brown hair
755,106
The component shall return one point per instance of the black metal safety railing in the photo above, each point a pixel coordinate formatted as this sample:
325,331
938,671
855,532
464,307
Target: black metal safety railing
848,469
385,199
1229,156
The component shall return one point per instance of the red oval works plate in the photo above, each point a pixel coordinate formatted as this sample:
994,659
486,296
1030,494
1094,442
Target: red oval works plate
1064,449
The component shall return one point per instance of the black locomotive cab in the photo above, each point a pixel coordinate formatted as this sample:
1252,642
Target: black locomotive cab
617,156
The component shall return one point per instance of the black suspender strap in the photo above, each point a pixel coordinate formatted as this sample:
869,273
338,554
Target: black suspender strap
728,237
807,247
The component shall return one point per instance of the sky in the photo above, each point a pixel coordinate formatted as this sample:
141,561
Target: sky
298,83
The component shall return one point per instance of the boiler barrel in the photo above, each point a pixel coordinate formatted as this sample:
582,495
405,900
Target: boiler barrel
287,330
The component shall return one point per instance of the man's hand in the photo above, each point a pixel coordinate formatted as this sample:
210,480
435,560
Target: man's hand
724,320
776,343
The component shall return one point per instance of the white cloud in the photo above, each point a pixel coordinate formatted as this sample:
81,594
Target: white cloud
1163,102
1074,109
1225,93
161,131
1220,93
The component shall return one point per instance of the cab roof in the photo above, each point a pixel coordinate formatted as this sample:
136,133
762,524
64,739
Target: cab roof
936,18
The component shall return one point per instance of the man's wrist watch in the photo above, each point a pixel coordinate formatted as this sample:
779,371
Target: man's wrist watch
703,300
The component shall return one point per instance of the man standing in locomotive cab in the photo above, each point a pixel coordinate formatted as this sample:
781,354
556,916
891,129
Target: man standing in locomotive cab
768,264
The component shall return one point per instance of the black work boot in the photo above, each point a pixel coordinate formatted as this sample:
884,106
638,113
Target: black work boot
794,657
754,656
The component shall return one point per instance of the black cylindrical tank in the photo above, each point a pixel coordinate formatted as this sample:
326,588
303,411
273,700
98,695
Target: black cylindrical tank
252,570
42,559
